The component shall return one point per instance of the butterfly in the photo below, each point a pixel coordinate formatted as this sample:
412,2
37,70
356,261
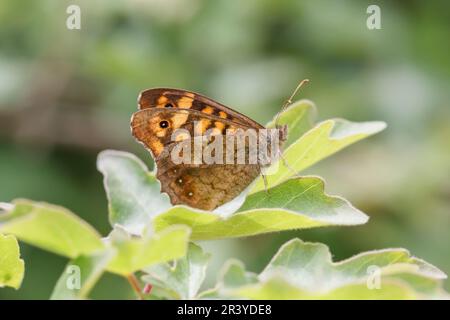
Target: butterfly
163,111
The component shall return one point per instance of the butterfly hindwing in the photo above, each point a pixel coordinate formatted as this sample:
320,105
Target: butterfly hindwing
205,186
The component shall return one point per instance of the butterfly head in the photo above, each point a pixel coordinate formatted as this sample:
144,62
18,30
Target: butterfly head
282,132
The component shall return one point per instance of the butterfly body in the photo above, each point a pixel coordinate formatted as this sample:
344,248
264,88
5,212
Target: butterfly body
165,112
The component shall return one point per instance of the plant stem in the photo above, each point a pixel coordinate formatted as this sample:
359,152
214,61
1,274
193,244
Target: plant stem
135,285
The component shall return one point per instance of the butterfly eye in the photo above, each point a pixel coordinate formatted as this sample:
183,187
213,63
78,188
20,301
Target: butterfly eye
164,124
168,105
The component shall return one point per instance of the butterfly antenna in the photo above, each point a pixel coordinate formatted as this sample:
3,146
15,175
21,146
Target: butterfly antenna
289,101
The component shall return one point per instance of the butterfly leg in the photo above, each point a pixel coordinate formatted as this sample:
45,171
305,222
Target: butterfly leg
264,177
286,164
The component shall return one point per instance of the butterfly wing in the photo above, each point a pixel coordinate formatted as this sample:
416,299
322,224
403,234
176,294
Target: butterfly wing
148,126
203,186
176,98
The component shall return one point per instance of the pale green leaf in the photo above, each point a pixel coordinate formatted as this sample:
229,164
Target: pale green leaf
183,279
232,276
51,228
296,204
318,143
306,271
11,266
133,192
136,253
281,289
80,275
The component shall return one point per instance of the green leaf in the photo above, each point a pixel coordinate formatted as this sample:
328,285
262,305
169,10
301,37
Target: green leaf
51,228
136,253
280,289
318,143
133,192
306,271
232,276
80,276
11,266
296,204
184,278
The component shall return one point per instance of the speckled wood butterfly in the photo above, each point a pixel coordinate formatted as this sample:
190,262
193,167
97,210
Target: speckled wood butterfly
163,111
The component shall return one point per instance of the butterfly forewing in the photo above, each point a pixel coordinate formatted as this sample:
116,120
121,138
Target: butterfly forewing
155,128
175,98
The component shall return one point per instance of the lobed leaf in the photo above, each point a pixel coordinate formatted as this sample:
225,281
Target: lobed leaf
184,278
137,253
80,275
133,192
51,228
280,289
296,204
12,268
318,143
232,277
303,270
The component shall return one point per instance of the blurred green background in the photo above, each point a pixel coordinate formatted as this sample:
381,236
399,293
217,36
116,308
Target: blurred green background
66,94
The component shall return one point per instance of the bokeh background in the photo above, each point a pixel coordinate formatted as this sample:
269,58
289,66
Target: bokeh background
66,94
